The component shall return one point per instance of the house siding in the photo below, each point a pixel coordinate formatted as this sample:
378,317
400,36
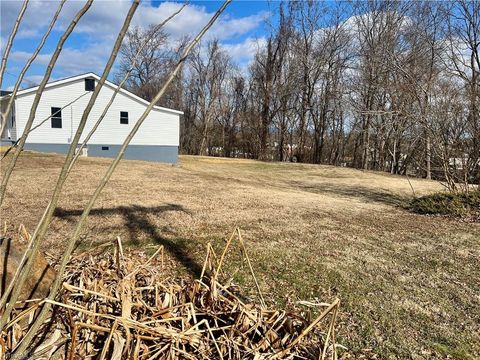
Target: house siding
10,132
159,133
156,153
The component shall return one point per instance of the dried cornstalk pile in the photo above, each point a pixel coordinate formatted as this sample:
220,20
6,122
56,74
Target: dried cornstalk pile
125,307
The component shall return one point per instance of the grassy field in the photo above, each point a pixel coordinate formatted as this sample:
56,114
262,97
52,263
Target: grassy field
409,284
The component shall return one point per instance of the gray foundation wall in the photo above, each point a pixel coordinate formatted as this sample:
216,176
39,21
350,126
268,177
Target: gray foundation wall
155,153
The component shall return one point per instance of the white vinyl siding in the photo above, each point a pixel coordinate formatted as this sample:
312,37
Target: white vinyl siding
160,128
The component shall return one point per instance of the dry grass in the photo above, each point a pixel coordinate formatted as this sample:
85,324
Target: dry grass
408,283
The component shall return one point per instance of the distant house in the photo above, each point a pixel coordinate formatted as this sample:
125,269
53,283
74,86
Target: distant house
62,105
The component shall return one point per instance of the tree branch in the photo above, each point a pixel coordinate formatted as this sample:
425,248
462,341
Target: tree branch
8,47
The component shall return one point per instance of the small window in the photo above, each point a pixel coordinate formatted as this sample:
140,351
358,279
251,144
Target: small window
105,148
123,117
89,84
56,117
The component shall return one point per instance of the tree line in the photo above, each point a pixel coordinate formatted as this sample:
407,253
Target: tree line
378,85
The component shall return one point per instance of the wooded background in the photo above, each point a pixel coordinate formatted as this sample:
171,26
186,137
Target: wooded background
383,85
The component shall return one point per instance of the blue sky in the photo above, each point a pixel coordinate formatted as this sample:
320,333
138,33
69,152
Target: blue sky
241,29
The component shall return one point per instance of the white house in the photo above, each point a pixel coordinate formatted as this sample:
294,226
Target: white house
63,103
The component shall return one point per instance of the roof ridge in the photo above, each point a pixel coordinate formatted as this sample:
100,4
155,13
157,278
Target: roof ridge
108,82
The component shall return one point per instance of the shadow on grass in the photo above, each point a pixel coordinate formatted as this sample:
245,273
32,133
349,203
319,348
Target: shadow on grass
364,193
137,221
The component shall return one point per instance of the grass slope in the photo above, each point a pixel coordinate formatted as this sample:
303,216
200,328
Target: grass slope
408,283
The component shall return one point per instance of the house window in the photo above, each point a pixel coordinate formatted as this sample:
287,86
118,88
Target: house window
123,117
105,148
89,84
56,117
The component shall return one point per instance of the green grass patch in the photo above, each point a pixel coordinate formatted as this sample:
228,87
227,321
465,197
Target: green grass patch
453,352
452,204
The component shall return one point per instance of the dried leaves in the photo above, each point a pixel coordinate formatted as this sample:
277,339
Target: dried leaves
114,306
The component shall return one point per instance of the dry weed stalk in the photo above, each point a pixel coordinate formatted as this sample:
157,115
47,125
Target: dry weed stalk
131,308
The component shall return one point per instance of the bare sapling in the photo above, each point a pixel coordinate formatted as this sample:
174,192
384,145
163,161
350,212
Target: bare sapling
42,316
5,114
13,33
66,34
36,101
120,85
42,226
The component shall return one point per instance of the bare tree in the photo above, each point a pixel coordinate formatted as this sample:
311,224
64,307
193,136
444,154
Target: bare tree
265,76
208,78
148,55
360,90
464,63
378,34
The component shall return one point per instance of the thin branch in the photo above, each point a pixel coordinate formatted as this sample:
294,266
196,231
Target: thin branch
120,85
42,227
43,122
28,126
8,47
82,221
4,115
38,95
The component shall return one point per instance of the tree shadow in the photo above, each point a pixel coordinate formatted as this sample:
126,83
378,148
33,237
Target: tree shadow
137,221
366,194
5,245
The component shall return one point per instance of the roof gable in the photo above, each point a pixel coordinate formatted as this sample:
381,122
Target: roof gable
107,83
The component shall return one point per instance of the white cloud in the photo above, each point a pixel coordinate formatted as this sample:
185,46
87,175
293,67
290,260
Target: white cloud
100,26
32,80
193,18
244,52
75,61
100,18
28,81
104,18
72,61
3,40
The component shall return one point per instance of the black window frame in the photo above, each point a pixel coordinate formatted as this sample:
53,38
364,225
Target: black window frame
105,148
124,117
56,117
89,84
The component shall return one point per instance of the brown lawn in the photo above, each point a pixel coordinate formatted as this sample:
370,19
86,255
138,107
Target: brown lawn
409,284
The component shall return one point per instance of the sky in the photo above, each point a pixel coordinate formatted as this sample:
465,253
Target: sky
241,28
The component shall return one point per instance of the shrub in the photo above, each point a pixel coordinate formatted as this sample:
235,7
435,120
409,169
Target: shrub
453,204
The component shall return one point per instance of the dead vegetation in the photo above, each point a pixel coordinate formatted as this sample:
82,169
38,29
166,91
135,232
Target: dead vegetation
116,305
